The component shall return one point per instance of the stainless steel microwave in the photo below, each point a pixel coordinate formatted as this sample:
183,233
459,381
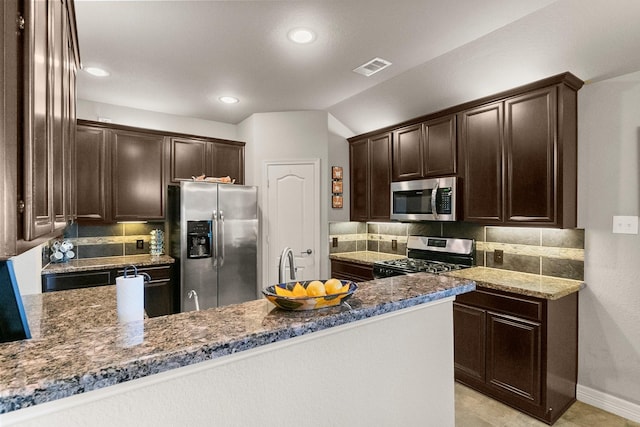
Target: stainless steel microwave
424,200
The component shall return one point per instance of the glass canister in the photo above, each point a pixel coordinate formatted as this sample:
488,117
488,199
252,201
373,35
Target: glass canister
157,242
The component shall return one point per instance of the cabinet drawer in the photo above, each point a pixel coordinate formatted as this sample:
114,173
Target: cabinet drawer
511,304
156,272
85,279
350,271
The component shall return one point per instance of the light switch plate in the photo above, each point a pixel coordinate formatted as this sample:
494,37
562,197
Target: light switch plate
625,224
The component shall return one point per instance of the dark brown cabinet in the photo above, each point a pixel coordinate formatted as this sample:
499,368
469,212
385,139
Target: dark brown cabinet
425,149
482,142
370,169
137,170
520,158
92,174
345,270
408,146
518,349
123,171
227,159
49,69
211,157
39,59
440,146
158,292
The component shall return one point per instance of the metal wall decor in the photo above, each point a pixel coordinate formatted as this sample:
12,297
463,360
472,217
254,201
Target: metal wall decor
336,187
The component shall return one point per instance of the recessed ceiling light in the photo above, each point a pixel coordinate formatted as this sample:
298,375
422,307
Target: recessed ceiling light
229,99
301,35
95,71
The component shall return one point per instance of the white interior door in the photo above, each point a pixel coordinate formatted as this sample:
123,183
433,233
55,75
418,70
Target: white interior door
293,217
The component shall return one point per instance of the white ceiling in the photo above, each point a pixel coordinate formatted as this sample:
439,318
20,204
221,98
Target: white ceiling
178,57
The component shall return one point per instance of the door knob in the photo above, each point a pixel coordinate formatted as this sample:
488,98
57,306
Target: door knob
308,252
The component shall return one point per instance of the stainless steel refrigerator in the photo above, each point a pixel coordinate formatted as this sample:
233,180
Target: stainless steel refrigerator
213,236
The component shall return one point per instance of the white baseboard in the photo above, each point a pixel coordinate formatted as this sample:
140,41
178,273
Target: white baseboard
609,403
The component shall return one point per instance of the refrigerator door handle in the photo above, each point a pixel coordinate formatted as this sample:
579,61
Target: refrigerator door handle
214,249
222,244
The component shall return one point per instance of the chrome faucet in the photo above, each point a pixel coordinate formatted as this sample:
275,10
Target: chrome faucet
287,253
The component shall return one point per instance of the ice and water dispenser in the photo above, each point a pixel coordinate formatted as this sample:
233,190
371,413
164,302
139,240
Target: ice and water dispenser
199,239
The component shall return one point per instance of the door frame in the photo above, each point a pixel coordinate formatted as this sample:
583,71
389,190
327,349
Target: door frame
264,209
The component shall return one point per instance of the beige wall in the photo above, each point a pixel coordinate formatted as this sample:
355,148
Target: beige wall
609,138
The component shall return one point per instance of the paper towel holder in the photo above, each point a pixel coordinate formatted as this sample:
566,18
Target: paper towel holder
146,276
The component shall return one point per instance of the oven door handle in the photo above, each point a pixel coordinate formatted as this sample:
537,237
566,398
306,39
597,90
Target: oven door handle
434,196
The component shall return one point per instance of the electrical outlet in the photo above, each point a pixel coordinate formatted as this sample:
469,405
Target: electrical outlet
139,244
334,242
498,256
625,224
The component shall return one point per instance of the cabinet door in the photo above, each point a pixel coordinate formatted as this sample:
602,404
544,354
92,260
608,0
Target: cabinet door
137,161
359,170
514,357
58,170
530,148
440,146
344,270
408,153
188,158
38,219
380,177
482,139
227,160
469,341
92,170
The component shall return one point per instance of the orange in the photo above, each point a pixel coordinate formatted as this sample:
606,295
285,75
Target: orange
333,286
316,289
283,292
299,290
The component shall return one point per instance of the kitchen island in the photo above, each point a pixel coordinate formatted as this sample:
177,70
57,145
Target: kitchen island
385,357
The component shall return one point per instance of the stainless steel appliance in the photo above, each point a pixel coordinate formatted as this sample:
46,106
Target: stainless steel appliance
431,255
213,235
424,200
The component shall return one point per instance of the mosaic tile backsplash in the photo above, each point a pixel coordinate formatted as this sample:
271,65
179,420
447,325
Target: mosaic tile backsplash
549,252
95,241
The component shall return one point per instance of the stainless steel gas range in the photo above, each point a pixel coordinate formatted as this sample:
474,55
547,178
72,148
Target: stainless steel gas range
431,255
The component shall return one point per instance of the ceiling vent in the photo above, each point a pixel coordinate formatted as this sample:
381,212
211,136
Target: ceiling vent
372,67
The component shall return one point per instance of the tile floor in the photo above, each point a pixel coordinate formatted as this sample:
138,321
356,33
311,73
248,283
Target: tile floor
476,410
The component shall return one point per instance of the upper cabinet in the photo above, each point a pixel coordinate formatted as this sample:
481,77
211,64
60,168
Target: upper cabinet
39,62
425,149
211,157
520,154
123,171
137,170
370,169
515,154
93,186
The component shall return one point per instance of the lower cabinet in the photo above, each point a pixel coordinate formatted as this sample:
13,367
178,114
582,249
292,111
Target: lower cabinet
517,349
345,270
158,292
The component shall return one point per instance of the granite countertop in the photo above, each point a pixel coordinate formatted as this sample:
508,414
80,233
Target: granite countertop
106,263
534,285
364,257
77,344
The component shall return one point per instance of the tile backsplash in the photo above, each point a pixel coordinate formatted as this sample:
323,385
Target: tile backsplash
95,241
550,252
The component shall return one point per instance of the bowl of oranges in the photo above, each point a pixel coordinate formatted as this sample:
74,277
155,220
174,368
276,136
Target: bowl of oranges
310,294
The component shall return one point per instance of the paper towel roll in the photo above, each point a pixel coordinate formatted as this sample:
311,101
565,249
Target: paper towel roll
130,298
